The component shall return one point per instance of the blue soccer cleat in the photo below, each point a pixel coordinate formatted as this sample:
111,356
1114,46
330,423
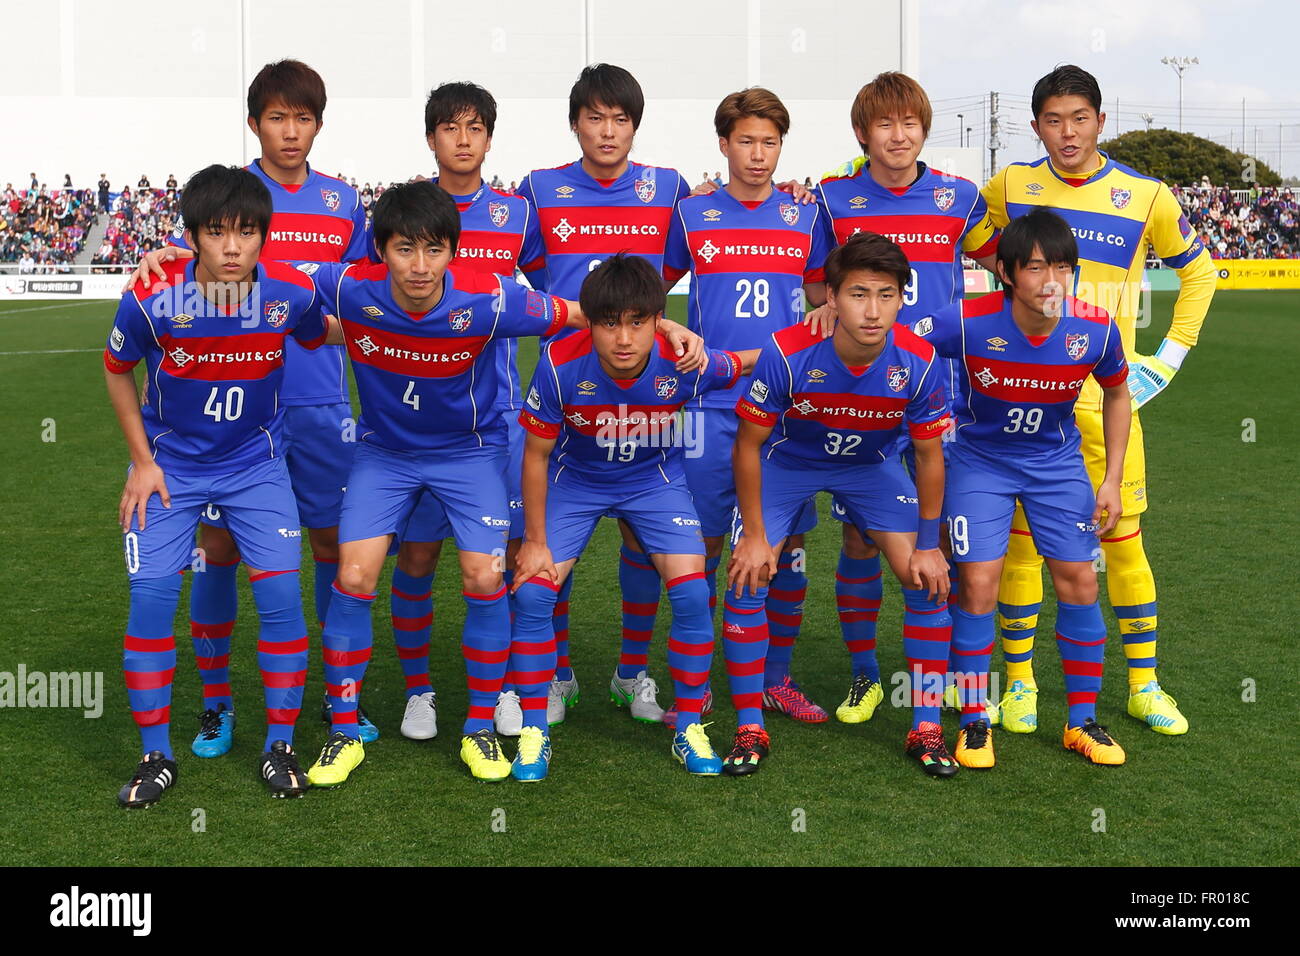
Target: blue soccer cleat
533,760
692,749
216,732
368,731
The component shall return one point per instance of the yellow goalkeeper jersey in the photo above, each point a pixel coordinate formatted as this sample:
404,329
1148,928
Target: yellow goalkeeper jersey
1115,214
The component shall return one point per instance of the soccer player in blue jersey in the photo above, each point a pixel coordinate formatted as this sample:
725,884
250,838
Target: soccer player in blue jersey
212,334
316,218
605,437
754,254
1023,356
936,218
825,415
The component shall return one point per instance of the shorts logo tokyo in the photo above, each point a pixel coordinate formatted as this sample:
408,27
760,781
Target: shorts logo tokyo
277,313
686,522
1076,345
459,319
331,198
665,386
898,376
499,213
1119,197
789,213
944,197
180,357
905,500
1087,527
645,190
492,522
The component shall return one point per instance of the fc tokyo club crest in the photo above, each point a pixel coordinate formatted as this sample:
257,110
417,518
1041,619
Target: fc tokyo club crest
944,197
499,212
460,319
789,213
898,376
331,197
277,313
665,386
1076,345
1119,197
645,190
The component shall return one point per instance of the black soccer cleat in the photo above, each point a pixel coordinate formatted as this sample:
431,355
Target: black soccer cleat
925,745
748,751
280,770
154,775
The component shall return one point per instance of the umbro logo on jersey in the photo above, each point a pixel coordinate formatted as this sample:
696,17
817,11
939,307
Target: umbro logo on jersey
182,321
373,312
712,215
367,345
460,319
944,197
331,198
1076,345
708,250
499,213
563,230
563,192
898,377
985,377
857,202
1033,188
816,375
587,388
645,190
997,343
277,313
180,357
789,213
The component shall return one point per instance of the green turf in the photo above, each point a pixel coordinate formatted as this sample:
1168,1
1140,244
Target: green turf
1220,535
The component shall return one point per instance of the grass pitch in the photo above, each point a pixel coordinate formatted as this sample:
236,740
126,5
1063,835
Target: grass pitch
1222,462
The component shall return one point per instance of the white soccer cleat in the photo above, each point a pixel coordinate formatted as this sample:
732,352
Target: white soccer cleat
420,722
639,694
562,695
508,715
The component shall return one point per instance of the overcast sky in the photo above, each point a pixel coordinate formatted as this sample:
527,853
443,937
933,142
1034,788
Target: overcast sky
1246,48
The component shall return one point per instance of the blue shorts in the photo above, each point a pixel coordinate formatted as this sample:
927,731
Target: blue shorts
319,459
980,499
469,486
256,505
871,497
711,480
662,517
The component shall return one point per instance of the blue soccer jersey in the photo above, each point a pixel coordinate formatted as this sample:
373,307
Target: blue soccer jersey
319,220
211,404
499,234
428,381
748,264
584,220
934,221
1018,396
824,414
609,429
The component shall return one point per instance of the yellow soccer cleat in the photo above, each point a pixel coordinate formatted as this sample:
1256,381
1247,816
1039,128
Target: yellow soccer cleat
864,697
481,752
1093,742
338,758
1019,708
975,746
1158,709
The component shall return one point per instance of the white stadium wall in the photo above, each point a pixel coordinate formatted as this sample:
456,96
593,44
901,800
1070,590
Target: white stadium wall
129,87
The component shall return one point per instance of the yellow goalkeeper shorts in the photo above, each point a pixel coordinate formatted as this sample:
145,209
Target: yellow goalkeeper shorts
1133,486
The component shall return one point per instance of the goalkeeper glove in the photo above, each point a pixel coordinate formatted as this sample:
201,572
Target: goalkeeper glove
1149,375
848,168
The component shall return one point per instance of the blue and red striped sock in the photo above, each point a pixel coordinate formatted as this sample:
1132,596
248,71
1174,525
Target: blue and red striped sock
711,578
149,659
281,650
690,645
785,597
485,644
972,644
347,640
639,582
412,610
214,605
326,572
927,634
560,625
532,648
1081,638
858,593
744,643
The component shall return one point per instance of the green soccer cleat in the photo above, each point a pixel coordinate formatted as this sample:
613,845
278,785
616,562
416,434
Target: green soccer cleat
1158,709
864,697
1019,708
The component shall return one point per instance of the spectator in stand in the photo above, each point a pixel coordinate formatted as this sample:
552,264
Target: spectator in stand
67,180
34,183
143,183
171,181
104,187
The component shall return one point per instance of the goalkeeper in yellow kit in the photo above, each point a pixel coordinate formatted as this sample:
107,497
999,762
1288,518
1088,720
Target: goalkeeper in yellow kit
1115,213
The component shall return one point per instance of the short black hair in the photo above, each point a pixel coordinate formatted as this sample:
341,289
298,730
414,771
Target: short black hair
293,83
1043,227
419,211
451,100
607,85
1067,80
622,283
220,194
871,251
